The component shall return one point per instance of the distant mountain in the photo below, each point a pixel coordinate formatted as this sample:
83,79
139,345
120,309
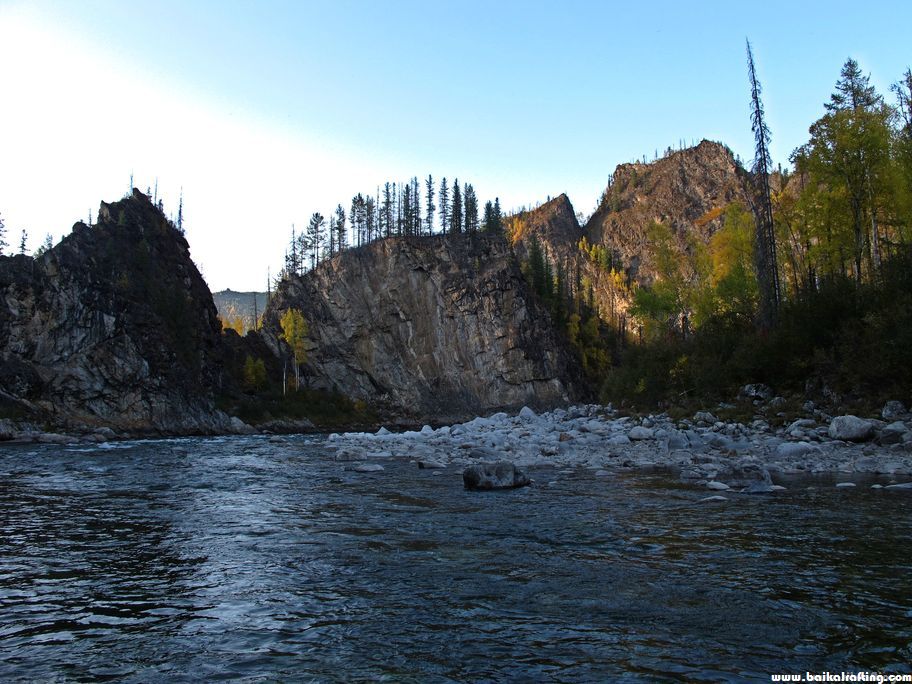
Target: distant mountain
232,305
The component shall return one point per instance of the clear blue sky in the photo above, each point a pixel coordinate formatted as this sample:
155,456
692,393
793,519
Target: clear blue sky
292,107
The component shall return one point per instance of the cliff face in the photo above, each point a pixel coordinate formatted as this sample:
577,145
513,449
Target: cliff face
114,326
439,326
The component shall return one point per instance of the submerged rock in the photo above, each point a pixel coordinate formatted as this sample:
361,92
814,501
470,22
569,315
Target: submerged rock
368,468
491,476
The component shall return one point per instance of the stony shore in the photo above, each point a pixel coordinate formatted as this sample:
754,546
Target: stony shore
703,450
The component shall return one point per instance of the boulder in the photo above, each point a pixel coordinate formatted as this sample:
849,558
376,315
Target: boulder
526,414
757,391
640,432
491,476
894,433
893,410
239,427
851,429
705,418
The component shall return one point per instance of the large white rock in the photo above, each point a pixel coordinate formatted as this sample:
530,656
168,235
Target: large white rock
640,432
527,414
851,429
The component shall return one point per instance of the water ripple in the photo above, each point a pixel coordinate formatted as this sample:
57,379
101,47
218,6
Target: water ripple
239,558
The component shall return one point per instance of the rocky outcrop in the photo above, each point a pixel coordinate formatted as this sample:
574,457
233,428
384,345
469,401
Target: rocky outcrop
687,191
436,326
113,326
553,224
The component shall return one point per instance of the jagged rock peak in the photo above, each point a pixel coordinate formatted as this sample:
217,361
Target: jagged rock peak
687,191
113,326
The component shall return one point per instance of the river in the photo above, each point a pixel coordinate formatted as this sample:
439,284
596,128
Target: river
245,558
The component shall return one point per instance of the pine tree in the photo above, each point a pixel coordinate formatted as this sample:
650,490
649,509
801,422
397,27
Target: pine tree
3,242
342,239
357,218
765,237
497,227
45,246
180,212
429,217
416,207
332,235
471,209
456,209
22,241
853,90
444,206
407,209
488,217
370,217
386,210
316,233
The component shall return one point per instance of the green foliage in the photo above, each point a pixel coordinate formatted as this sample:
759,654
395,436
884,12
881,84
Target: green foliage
294,332
254,374
852,339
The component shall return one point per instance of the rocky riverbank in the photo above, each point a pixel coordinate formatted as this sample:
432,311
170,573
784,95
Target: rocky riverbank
704,451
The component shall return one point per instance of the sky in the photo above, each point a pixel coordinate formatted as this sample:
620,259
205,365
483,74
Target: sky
264,112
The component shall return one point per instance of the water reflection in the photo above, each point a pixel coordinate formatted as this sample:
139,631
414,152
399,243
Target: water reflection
188,559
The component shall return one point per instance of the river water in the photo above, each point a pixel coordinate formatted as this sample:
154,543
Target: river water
241,558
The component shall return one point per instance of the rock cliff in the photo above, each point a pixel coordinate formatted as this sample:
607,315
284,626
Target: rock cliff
114,326
438,326
687,191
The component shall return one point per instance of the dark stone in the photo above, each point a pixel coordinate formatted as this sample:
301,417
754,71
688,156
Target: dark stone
491,476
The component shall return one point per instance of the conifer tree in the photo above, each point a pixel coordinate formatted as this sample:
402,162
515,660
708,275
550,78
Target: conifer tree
407,209
429,217
180,212
444,206
370,218
416,207
456,209
22,241
3,243
853,90
386,210
488,216
342,239
471,209
498,217
765,237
